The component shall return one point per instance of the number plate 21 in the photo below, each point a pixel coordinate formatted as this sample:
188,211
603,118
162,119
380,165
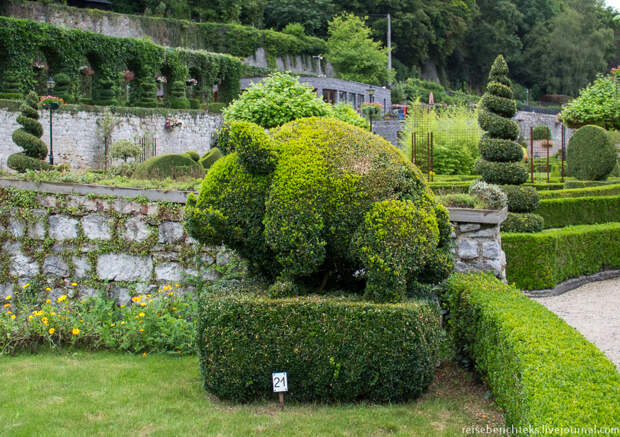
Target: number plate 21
280,382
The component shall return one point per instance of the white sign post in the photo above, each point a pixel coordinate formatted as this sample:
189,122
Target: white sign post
280,385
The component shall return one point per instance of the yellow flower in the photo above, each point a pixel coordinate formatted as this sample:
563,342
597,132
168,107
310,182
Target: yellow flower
51,330
123,322
48,301
144,354
148,295
141,314
52,314
177,285
62,298
12,316
136,299
167,287
26,286
44,320
48,289
112,325
123,306
6,305
150,300
141,330
75,331
164,335
29,318
143,304
74,283
9,312
170,294
37,313
7,298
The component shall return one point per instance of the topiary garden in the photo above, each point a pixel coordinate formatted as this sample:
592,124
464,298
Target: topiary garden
590,154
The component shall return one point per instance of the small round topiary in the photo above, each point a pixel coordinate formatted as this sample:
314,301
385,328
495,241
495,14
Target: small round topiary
501,173
523,223
590,154
520,198
169,166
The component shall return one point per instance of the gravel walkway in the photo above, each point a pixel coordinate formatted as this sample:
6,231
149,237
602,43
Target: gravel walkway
594,310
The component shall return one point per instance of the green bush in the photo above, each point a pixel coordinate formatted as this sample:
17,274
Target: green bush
497,126
332,349
178,99
521,199
124,149
590,155
28,137
193,154
498,150
606,190
523,223
345,112
588,184
169,166
541,371
300,220
11,86
63,87
452,160
539,261
105,94
541,133
216,107
491,195
597,104
501,173
505,107
579,211
209,158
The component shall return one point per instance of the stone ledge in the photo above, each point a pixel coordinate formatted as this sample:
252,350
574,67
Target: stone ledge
488,216
571,284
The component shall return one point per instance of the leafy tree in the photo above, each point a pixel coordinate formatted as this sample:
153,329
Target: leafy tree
598,104
316,14
353,52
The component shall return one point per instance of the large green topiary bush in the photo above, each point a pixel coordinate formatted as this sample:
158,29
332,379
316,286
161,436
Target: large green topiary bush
28,137
169,166
314,202
11,86
501,154
590,154
209,158
177,98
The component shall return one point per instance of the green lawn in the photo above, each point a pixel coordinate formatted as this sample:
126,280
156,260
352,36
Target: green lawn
87,394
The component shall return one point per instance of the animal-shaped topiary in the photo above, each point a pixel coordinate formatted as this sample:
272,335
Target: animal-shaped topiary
28,137
322,203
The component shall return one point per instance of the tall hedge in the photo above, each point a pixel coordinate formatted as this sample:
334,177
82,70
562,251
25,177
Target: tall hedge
332,349
540,261
65,50
558,213
542,372
501,154
28,137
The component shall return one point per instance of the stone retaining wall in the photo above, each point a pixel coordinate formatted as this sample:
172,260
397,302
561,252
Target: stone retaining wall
122,246
78,139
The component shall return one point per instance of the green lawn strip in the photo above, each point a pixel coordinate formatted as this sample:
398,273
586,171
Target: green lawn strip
119,394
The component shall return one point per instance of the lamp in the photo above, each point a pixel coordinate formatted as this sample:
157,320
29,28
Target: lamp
50,88
371,94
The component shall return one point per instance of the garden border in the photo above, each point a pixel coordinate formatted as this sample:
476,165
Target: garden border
573,283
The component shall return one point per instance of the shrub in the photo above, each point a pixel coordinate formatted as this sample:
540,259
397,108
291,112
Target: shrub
590,154
541,371
497,126
541,133
169,166
587,184
501,173
210,158
607,190
124,149
579,211
193,154
177,97
333,350
597,104
523,223
63,87
11,86
298,221
144,93
28,137
452,160
491,195
521,199
498,150
105,94
345,112
539,261
216,107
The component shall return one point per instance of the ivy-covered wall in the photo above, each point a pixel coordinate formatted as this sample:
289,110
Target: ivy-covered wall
124,246
264,48
93,66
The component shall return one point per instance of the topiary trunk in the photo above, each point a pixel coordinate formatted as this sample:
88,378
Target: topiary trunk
501,154
28,137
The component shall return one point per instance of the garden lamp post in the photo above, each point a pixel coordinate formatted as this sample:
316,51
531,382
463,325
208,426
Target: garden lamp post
371,98
50,89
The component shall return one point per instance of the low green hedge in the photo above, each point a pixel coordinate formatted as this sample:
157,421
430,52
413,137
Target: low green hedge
542,260
332,349
523,222
606,190
541,371
579,211
586,184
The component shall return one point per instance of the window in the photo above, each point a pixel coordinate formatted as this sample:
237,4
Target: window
330,96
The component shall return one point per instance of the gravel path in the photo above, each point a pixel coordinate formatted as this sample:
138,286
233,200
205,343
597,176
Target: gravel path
594,310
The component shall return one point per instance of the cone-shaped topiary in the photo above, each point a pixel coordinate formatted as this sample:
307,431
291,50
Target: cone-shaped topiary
501,154
105,92
144,93
11,86
28,137
177,97
63,87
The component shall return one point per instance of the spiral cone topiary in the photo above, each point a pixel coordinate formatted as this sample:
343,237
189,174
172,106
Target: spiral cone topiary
501,154
28,137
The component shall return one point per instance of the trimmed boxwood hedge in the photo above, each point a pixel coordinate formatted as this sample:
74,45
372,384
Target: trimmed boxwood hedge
539,261
579,211
523,222
501,173
521,199
589,184
333,349
542,372
607,190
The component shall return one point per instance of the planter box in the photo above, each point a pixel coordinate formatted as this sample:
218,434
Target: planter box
486,216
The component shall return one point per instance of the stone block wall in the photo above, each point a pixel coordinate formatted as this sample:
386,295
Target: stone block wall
78,140
118,245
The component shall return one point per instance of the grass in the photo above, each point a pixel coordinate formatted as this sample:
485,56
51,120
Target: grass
118,394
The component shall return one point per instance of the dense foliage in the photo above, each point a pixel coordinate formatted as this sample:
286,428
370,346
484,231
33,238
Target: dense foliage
280,98
28,137
209,158
590,155
169,166
609,190
523,223
65,51
311,202
331,348
579,211
125,149
597,104
545,259
508,336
